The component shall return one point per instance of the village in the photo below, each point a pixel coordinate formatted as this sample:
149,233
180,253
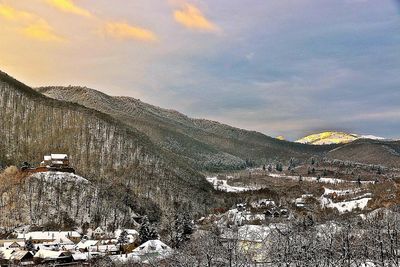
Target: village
256,219
73,248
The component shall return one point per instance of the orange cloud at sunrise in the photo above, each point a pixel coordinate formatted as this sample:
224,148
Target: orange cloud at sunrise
124,31
192,17
29,24
69,7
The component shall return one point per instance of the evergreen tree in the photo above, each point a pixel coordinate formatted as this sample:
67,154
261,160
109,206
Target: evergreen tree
279,167
29,245
146,231
183,228
122,239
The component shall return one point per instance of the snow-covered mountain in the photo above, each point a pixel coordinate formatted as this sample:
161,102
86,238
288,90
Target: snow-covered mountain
333,137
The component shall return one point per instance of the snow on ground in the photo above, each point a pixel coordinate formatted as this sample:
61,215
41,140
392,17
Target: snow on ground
59,176
238,218
224,186
325,180
345,206
341,192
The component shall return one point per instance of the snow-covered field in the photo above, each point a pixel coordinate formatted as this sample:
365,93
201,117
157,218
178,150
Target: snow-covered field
325,180
224,186
360,202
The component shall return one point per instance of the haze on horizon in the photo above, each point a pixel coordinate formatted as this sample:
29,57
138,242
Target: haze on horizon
279,67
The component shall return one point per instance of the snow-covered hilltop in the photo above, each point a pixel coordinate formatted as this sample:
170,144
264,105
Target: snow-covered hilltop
332,137
59,176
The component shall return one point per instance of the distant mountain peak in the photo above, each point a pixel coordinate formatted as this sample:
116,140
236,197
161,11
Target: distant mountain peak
334,137
281,137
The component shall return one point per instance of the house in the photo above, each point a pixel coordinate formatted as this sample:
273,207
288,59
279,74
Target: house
98,233
46,256
14,245
80,256
6,255
40,237
56,161
108,249
133,235
22,258
85,245
252,240
8,241
152,250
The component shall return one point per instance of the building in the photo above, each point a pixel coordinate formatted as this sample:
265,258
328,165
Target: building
48,256
40,237
98,233
152,250
52,162
55,161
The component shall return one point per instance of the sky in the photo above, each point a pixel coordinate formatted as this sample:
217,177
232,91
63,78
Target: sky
281,67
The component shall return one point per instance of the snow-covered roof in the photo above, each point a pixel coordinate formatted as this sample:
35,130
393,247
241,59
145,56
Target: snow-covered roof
59,156
107,248
7,253
98,230
152,246
19,243
47,158
78,256
133,235
19,255
62,241
49,235
50,254
263,202
87,243
131,257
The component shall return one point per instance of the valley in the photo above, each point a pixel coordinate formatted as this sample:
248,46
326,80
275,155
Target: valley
195,190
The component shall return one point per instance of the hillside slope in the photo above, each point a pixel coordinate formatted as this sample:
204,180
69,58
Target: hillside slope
370,152
101,147
204,144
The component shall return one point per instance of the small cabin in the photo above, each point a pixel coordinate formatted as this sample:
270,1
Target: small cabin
55,161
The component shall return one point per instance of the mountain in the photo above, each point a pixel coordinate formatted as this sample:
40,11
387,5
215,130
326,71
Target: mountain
102,149
204,144
332,137
131,150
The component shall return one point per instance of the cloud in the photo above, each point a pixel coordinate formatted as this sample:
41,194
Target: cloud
69,7
10,13
30,24
41,31
125,31
191,17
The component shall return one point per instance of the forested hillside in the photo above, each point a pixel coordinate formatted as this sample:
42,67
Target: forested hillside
204,144
64,201
101,148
